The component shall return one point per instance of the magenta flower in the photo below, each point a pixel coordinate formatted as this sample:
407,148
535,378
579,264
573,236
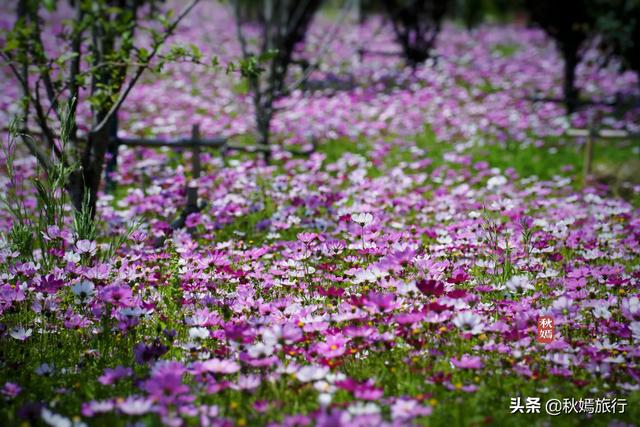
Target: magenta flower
430,287
381,301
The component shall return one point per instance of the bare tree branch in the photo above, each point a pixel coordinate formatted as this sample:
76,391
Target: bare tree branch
123,94
74,71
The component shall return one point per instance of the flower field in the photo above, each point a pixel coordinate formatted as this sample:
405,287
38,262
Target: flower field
395,276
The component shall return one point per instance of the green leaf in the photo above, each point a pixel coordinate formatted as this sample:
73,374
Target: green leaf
50,5
11,44
196,53
65,57
143,54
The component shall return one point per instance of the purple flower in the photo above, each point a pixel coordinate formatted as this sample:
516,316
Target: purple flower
10,390
165,385
144,353
118,295
111,376
10,294
50,284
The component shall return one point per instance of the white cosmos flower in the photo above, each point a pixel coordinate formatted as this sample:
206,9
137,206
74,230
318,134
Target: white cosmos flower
312,373
360,408
220,366
519,283
20,333
134,405
72,257
57,420
363,219
198,333
83,290
496,182
469,322
260,349
635,330
324,399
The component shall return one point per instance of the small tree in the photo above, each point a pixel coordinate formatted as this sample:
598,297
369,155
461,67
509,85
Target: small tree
282,25
99,53
416,24
570,24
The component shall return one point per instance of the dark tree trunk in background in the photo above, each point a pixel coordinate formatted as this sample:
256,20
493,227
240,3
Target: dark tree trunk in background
84,183
569,24
570,92
416,24
283,25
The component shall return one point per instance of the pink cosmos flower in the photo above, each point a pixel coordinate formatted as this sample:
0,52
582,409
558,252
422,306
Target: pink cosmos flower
406,409
118,295
93,407
86,247
630,308
307,238
10,294
220,366
467,362
334,346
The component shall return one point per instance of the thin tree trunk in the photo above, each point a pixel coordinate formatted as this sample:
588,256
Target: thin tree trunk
570,54
85,182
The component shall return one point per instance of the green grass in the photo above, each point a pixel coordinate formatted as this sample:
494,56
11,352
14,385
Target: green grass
506,50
